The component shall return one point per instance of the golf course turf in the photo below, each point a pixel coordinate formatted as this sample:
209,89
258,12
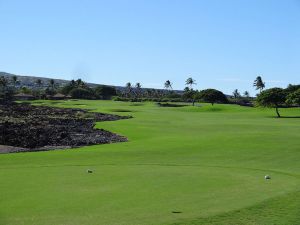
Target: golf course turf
182,165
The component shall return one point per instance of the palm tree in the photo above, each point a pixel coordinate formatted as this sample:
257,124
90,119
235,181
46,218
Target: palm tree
128,89
39,82
259,84
80,83
189,93
73,83
52,83
138,87
14,80
148,93
246,94
236,94
190,82
3,82
4,94
168,85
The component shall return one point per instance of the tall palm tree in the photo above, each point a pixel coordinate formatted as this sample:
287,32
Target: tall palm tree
4,89
52,84
80,83
259,84
14,80
190,82
39,82
168,85
138,87
3,82
128,87
246,94
236,94
73,83
189,90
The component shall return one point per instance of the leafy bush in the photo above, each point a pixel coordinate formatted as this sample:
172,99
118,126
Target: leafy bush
294,98
82,93
212,96
105,92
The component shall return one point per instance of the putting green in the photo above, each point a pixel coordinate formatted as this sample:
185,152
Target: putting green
184,165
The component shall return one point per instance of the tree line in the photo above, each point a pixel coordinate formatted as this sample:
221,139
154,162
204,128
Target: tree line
78,89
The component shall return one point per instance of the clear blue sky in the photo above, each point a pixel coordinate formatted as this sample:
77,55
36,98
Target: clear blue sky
222,44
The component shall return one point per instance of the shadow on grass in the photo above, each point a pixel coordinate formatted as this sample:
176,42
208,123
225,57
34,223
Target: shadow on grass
170,105
121,110
285,117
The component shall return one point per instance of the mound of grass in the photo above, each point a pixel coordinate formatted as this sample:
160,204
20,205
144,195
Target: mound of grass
280,210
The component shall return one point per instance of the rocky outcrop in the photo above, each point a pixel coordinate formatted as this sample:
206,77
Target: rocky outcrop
34,128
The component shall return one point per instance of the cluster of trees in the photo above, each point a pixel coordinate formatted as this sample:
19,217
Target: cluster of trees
80,90
273,97
9,87
75,89
136,93
279,97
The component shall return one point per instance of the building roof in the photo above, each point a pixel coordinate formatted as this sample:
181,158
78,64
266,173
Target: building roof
59,95
23,95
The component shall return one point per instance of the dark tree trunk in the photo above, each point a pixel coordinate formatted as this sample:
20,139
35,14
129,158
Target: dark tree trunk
277,112
193,102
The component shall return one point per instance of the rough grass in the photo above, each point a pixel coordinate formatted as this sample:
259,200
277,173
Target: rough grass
206,162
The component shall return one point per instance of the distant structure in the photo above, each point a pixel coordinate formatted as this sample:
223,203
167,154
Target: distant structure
59,96
23,96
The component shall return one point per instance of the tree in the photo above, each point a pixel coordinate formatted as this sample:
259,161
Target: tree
39,82
52,84
212,96
190,82
246,94
138,88
106,92
293,98
236,94
190,95
26,90
259,84
149,93
82,93
72,85
128,88
292,88
168,85
272,98
14,80
6,93
3,82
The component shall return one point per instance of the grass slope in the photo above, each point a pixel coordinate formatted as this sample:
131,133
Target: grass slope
208,163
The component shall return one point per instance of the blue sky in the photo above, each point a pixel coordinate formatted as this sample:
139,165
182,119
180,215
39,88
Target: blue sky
223,44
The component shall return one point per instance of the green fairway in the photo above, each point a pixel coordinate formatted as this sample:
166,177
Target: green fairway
185,165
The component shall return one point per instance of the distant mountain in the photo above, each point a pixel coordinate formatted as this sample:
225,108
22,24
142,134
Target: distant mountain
30,82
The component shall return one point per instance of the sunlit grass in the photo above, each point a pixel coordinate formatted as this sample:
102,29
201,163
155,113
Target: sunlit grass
207,163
